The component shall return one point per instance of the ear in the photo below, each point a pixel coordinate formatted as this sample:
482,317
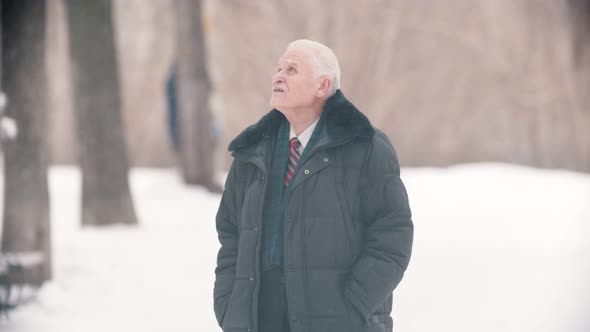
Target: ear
325,86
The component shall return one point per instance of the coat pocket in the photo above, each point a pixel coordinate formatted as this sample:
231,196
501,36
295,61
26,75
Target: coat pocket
355,317
237,314
377,322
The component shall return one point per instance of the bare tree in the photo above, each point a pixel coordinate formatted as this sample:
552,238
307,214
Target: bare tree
106,197
26,195
197,144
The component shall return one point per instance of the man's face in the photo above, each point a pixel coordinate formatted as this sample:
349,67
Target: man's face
294,85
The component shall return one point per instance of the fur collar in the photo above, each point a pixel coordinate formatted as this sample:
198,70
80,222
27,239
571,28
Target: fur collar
342,120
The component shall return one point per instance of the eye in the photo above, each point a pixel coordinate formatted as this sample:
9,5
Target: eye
291,70
278,69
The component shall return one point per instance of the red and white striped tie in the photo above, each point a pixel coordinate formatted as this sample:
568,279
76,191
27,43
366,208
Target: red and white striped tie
294,156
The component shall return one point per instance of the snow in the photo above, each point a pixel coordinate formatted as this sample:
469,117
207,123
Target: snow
8,127
497,248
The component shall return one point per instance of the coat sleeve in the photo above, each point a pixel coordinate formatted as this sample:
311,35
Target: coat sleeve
389,231
226,222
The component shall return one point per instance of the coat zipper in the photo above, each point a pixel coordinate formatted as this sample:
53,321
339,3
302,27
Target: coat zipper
304,251
263,181
253,312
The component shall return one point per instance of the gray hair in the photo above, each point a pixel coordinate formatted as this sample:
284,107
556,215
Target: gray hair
325,61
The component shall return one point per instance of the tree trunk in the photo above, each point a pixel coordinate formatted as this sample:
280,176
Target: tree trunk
580,20
26,195
197,144
106,197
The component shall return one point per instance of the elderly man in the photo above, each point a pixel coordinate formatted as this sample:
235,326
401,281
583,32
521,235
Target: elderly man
314,223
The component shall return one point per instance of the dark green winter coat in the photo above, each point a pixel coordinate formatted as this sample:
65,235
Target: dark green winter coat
347,228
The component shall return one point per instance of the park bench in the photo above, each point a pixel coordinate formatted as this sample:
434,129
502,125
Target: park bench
12,270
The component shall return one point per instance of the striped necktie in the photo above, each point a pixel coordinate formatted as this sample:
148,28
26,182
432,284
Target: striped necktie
294,156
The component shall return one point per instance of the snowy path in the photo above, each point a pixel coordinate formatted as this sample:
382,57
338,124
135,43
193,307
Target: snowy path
497,248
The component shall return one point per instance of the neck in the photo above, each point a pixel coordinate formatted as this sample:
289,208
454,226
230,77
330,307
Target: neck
301,119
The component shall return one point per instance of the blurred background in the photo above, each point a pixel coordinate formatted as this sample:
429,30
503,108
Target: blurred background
116,116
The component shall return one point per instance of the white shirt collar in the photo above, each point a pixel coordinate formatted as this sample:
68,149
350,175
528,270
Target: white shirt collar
305,135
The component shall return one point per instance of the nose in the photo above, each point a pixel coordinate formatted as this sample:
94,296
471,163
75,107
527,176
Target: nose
278,79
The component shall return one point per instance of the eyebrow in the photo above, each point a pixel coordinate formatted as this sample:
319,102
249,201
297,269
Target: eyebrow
293,63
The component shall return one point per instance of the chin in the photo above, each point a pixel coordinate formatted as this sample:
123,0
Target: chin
275,104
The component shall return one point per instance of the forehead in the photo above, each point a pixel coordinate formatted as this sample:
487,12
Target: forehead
294,56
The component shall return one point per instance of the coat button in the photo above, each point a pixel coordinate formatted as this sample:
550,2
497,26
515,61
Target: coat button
293,317
262,178
251,278
255,229
306,171
325,160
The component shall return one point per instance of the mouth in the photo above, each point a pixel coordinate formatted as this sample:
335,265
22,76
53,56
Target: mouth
277,90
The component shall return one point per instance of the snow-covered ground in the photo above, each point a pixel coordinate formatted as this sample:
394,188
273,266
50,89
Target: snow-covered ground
497,248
